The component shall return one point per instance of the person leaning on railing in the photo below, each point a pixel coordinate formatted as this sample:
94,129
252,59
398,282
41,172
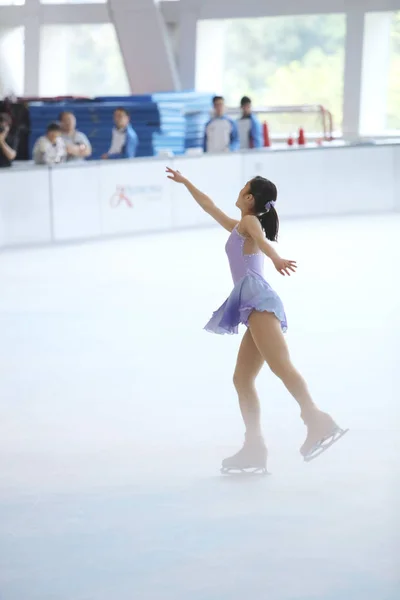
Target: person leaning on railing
8,143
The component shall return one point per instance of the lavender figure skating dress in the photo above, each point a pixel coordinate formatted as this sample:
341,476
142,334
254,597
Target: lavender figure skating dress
250,292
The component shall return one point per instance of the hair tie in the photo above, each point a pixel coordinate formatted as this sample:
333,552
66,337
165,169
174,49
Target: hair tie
269,205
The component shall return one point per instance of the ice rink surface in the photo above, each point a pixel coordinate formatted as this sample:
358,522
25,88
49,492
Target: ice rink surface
117,408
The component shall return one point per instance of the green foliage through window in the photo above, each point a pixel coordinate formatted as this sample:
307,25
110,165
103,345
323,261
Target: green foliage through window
286,60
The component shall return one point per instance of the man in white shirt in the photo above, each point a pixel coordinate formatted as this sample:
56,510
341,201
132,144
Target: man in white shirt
77,144
221,133
50,148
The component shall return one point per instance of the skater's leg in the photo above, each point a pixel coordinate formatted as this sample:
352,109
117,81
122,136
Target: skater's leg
248,365
267,335
253,455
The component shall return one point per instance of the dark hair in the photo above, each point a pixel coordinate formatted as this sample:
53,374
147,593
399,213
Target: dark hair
245,100
123,110
265,192
53,127
217,98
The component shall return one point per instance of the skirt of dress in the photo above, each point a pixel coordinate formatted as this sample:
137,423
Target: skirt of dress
252,292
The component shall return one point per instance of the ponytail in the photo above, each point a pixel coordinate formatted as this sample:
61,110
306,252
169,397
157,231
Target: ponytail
270,224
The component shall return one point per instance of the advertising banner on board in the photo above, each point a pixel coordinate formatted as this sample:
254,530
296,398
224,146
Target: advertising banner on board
135,196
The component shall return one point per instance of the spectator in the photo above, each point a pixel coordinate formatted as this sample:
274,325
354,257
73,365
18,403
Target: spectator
50,148
77,144
8,143
124,139
221,134
250,132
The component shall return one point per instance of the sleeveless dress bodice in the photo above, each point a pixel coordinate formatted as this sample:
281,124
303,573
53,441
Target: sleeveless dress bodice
241,263
250,293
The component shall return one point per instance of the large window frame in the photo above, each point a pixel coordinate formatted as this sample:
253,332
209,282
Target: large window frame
184,15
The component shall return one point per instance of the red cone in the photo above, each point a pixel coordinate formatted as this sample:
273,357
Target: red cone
302,140
267,141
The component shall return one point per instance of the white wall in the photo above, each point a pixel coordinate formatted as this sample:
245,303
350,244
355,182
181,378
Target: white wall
119,197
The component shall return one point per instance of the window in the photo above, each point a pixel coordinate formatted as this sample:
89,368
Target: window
393,107
12,61
276,61
81,60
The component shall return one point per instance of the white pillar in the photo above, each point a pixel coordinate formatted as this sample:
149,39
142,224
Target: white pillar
352,73
32,56
375,72
187,47
210,56
145,46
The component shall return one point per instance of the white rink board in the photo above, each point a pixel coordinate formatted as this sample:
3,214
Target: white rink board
134,196
40,205
330,182
24,207
220,177
76,208
396,165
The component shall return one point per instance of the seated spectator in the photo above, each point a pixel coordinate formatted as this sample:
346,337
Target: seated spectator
124,139
221,134
250,131
77,144
8,143
50,148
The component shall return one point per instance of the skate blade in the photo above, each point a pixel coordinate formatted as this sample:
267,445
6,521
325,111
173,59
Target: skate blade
245,472
324,444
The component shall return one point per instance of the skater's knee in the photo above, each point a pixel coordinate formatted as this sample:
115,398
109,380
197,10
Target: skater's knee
281,368
242,381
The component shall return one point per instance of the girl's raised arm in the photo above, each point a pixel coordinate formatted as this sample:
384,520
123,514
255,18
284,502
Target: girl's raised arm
203,200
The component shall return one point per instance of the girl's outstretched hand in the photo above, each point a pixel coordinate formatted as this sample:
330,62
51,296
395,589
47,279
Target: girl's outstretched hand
175,175
285,266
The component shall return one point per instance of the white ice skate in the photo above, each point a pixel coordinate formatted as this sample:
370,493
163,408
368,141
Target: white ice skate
322,433
250,460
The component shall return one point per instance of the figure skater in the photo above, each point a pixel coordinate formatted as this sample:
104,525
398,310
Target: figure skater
255,304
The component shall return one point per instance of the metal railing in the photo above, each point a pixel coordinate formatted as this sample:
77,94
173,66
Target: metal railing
325,116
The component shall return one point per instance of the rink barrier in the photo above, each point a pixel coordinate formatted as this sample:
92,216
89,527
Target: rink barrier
99,199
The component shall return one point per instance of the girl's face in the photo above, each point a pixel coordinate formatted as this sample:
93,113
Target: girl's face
245,201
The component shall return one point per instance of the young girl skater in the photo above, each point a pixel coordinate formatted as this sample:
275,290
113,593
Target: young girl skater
255,304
